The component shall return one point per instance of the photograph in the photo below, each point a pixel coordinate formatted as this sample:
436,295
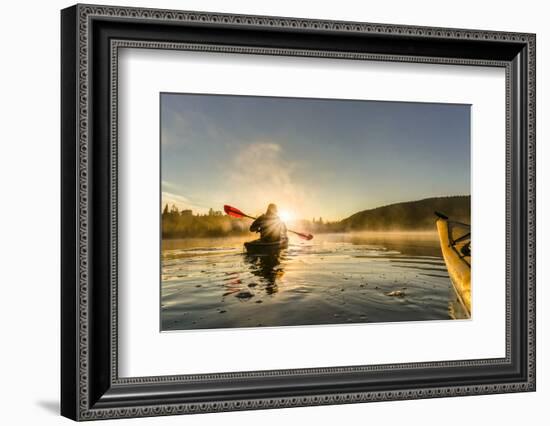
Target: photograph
282,211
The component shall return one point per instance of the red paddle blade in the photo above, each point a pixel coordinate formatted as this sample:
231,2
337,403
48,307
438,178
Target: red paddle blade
304,236
232,211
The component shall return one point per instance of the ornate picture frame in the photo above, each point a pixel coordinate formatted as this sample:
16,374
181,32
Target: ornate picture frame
91,38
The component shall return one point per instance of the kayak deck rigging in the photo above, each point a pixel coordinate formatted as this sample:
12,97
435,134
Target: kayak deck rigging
455,241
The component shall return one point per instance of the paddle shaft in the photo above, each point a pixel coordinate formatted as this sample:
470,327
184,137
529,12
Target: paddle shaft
289,230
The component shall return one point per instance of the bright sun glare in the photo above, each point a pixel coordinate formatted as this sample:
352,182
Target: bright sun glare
286,215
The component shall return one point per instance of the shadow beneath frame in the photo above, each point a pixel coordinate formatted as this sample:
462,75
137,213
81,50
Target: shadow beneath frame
50,406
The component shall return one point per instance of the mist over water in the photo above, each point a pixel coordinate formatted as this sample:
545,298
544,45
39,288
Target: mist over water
332,279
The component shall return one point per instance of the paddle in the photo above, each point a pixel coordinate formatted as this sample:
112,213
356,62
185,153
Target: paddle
234,212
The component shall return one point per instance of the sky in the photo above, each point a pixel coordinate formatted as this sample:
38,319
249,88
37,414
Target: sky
312,157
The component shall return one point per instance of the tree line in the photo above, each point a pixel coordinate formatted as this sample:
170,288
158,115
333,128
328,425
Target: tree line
178,223
184,224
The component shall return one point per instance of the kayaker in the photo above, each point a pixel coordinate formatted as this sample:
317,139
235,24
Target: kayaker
269,225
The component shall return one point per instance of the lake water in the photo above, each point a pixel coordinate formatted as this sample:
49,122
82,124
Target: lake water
332,279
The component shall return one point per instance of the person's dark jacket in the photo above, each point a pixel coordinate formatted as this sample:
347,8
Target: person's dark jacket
270,227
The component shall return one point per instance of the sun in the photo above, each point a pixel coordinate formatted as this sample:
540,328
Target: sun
286,216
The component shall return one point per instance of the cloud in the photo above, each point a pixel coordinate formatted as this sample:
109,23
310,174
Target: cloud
184,203
181,128
174,128
181,202
169,185
261,175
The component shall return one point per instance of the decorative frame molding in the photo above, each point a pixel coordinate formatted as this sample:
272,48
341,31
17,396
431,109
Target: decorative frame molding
91,37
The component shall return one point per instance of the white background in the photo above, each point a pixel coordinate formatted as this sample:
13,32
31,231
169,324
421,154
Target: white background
146,352
29,225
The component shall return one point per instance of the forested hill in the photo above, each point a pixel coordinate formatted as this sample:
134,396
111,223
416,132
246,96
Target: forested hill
413,215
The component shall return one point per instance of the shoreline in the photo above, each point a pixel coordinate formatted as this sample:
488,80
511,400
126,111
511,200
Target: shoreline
426,236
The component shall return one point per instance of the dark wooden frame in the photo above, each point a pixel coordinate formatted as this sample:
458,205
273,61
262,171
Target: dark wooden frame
91,37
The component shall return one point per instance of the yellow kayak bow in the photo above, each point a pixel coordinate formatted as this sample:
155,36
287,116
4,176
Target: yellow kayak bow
454,238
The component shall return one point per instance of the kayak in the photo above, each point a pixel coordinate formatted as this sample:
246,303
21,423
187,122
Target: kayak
455,239
265,247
